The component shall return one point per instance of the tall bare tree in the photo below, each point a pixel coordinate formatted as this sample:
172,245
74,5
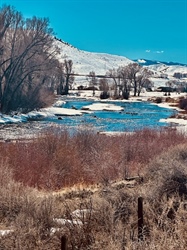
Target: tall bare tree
60,78
125,83
69,79
113,73
170,84
133,70
92,80
6,19
103,86
26,61
138,76
143,80
132,76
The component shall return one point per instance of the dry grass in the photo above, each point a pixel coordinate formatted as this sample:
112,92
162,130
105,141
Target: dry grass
110,221
59,160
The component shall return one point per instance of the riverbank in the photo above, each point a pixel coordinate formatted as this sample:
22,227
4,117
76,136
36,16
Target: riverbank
157,98
29,125
179,121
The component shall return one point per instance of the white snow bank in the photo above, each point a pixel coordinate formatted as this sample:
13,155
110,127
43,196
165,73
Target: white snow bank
10,119
2,121
181,122
102,106
39,115
62,111
59,103
36,115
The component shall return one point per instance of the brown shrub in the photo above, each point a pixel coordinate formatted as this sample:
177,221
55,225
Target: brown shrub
110,220
183,103
158,100
165,190
167,173
60,159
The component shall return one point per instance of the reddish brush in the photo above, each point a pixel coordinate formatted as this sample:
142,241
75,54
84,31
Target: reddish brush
57,160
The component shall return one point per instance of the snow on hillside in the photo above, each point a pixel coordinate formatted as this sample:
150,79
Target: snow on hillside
169,70
85,62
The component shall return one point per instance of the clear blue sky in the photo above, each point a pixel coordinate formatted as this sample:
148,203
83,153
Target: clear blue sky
151,29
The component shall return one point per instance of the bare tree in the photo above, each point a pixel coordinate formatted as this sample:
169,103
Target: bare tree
125,83
26,61
103,86
143,80
132,72
170,84
92,80
178,75
138,76
69,79
127,77
113,73
6,19
60,78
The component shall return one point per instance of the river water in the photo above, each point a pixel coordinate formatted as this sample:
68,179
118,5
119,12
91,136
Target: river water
135,116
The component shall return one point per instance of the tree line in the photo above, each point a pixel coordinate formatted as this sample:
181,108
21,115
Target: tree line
132,77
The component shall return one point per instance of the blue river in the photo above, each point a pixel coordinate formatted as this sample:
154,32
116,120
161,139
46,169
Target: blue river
135,116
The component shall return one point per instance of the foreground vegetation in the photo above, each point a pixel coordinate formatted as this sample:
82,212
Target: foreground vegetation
60,159
46,179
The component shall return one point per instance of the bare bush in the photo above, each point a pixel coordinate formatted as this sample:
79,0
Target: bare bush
183,103
58,159
168,173
105,219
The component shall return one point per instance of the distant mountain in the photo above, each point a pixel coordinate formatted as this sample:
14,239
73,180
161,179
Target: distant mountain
146,62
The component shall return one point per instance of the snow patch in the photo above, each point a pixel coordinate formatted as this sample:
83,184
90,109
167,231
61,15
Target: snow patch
102,106
5,232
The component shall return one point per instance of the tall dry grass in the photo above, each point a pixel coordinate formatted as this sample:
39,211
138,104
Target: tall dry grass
60,159
111,219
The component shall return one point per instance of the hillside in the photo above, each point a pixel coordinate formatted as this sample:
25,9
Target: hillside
168,69
85,62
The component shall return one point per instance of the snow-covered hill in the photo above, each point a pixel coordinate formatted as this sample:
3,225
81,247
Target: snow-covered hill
170,70
85,62
161,68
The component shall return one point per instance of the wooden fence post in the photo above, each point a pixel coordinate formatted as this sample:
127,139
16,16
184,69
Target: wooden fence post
63,243
140,218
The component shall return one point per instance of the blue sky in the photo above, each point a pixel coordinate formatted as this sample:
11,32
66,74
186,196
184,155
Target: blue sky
151,29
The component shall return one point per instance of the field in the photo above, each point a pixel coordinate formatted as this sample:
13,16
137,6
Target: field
86,186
